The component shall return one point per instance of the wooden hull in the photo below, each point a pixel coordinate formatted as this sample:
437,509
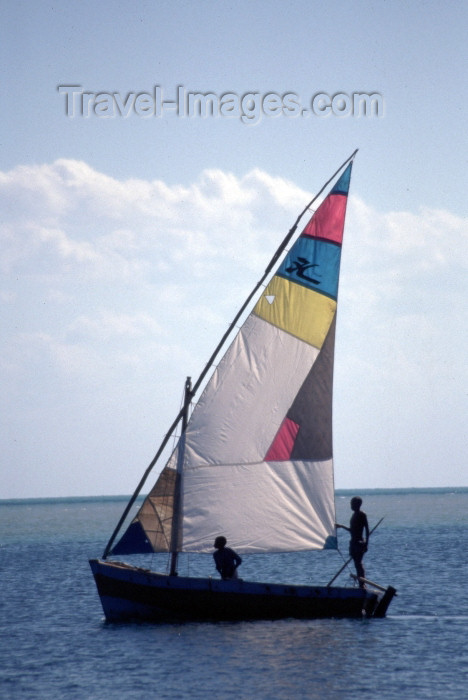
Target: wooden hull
129,593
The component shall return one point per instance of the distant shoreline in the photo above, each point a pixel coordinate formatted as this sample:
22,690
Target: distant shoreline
338,493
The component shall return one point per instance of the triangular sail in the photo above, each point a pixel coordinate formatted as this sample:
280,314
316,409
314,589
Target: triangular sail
257,463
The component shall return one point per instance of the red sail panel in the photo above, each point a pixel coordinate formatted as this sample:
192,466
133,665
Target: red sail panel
283,442
328,221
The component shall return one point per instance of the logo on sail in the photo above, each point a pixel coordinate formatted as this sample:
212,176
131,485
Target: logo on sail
300,266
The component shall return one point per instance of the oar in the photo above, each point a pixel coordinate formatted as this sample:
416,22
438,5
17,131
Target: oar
350,558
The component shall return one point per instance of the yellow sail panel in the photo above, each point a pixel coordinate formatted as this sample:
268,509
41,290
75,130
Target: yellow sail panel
297,310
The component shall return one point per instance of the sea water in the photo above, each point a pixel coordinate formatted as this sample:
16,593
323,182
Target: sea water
55,644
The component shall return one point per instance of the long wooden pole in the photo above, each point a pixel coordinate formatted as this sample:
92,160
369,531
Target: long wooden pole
210,362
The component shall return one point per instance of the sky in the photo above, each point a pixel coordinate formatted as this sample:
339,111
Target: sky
133,229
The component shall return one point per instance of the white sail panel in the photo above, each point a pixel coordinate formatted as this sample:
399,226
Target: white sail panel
248,396
263,507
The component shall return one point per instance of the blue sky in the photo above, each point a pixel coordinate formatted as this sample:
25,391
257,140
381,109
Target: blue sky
129,243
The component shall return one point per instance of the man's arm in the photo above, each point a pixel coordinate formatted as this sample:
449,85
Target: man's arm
366,528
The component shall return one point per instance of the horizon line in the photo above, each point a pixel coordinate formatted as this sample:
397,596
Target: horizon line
338,492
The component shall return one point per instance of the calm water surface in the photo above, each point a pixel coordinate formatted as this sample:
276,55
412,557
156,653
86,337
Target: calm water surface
55,644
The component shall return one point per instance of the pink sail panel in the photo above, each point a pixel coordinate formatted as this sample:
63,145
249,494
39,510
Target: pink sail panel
284,442
328,221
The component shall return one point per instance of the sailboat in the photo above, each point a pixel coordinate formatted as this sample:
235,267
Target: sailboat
254,461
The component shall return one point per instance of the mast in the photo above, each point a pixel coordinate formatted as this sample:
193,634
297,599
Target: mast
177,495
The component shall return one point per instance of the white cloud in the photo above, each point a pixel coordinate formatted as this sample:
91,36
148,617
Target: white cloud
115,289
428,241
107,325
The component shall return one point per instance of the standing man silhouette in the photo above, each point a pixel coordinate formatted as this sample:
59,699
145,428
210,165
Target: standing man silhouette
358,526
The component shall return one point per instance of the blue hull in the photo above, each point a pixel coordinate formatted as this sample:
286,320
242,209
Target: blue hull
129,593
